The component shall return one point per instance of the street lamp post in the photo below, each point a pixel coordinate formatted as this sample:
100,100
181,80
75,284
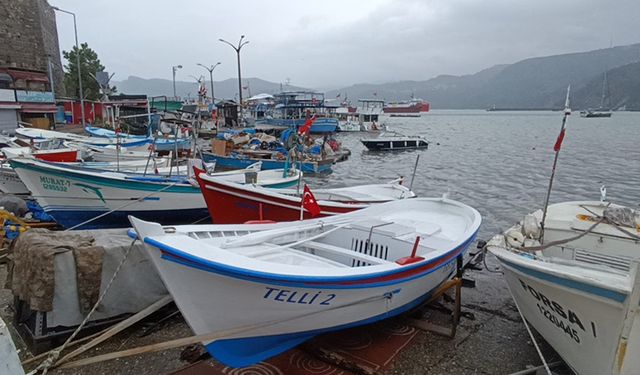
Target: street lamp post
75,29
210,69
173,69
237,49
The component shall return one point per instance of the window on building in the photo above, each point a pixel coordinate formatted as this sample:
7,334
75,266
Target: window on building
37,86
20,84
5,81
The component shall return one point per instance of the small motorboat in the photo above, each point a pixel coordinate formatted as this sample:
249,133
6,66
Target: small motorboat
232,203
580,287
389,141
256,290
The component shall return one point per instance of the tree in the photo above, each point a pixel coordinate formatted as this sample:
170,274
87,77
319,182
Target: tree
90,64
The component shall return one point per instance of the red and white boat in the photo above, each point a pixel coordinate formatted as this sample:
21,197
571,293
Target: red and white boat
410,108
60,155
233,203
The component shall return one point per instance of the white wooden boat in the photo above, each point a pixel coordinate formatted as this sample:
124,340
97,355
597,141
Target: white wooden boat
257,290
109,153
582,296
10,182
73,195
43,134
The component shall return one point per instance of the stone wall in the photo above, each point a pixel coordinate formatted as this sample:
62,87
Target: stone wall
29,38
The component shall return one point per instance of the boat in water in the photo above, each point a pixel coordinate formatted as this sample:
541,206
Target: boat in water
75,195
293,108
231,203
409,108
580,287
605,103
284,283
390,141
269,160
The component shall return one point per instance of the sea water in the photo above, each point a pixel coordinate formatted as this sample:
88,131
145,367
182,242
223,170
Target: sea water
500,162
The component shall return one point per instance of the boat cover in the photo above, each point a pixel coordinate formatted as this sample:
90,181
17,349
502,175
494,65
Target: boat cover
63,273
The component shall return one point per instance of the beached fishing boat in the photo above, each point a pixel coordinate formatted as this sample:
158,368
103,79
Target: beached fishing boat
73,195
62,155
242,160
42,134
580,288
10,182
159,143
389,141
284,283
231,203
95,131
108,153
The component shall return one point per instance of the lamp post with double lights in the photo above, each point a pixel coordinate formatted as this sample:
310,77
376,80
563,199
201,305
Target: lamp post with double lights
210,69
237,49
75,30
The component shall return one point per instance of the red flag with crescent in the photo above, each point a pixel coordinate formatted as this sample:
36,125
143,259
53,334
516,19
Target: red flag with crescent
304,129
309,202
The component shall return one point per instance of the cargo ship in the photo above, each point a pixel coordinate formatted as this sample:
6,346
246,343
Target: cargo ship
409,108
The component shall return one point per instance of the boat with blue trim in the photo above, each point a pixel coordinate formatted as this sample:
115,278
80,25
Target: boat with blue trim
576,280
241,159
292,108
252,291
74,195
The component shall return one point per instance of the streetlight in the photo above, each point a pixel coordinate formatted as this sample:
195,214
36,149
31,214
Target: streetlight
173,69
213,97
238,48
75,29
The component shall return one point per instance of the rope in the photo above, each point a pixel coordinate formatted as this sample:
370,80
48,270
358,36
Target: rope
123,206
55,354
220,335
563,241
533,339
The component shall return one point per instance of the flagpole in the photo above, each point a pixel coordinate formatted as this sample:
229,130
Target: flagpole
556,148
302,207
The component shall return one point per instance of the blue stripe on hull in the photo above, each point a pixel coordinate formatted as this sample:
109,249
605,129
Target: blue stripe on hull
118,219
248,351
572,284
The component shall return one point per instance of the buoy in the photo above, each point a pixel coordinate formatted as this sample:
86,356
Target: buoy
514,238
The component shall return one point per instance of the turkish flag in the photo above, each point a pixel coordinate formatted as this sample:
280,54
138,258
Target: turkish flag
304,129
309,202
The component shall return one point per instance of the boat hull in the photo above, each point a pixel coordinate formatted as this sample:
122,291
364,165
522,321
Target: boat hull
580,320
234,205
10,183
278,315
228,162
377,145
72,197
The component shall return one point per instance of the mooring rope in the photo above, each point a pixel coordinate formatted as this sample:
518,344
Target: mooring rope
55,354
209,337
533,339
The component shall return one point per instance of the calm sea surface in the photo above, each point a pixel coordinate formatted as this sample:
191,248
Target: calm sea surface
500,162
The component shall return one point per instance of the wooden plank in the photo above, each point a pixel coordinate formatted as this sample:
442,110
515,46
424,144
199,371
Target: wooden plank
69,345
118,328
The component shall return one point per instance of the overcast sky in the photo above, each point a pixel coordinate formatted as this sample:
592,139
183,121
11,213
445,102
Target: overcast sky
334,43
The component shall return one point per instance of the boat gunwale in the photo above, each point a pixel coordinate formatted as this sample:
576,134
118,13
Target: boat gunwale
366,280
